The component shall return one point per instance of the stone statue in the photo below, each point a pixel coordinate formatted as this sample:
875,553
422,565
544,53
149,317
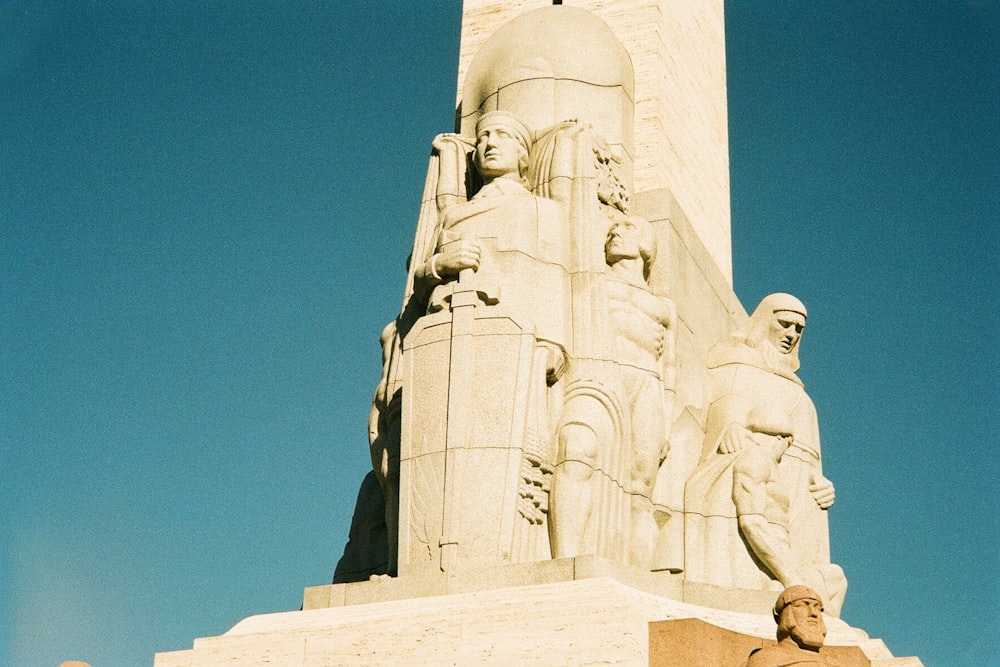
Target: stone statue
643,329
487,342
798,612
507,318
754,506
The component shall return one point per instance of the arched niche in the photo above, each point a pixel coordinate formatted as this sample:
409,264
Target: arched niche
554,64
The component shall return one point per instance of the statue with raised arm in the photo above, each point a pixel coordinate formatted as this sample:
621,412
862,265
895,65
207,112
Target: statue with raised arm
798,611
755,505
485,346
507,318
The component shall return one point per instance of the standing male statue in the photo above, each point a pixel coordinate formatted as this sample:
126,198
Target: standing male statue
643,327
798,611
755,505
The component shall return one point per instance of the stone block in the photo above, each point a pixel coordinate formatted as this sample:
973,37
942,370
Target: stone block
583,622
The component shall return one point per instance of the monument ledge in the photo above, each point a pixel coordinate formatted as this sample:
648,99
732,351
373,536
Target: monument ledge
591,617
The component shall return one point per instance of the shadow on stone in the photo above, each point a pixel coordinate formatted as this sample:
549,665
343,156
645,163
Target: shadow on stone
367,550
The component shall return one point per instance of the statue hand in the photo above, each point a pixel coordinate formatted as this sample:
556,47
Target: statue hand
735,438
458,255
822,490
440,142
555,362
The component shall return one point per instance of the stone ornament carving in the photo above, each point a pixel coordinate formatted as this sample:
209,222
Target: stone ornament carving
628,407
798,611
516,327
754,506
529,386
481,359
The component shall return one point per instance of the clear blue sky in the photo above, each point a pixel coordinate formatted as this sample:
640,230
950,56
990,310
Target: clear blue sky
205,212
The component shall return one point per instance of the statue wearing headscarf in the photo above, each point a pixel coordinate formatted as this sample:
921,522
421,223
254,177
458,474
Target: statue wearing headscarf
755,505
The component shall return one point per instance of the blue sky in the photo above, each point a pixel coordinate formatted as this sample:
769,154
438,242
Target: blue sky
205,212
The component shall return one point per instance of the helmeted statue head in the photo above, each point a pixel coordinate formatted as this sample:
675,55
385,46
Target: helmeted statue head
502,145
774,330
798,611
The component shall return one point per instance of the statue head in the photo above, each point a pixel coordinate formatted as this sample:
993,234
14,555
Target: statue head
502,143
630,237
798,611
775,330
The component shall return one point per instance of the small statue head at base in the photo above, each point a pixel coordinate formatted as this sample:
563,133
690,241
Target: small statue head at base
798,612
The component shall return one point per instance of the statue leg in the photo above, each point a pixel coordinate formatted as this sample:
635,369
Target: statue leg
835,587
571,499
647,447
392,518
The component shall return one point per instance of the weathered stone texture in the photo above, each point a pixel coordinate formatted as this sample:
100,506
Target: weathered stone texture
682,139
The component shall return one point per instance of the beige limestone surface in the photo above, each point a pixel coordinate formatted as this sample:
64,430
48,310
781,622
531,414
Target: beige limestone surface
534,379
534,364
547,390
584,622
550,390
677,49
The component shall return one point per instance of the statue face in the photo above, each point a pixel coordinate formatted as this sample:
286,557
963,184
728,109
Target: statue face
785,330
623,241
802,620
498,151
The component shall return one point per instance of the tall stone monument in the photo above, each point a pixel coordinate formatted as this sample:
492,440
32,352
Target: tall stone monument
578,430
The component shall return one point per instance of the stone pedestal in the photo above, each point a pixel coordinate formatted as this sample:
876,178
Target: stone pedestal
592,612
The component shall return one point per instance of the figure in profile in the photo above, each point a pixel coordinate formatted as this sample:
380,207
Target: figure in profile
755,505
798,611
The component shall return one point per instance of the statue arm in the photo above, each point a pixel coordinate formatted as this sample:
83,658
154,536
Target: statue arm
426,278
668,361
446,262
558,154
669,353
378,416
446,186
807,448
726,430
751,473
822,490
453,152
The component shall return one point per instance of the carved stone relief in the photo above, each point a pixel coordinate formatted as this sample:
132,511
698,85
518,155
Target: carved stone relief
755,505
547,383
798,612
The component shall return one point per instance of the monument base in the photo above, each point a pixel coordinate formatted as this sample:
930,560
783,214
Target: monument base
598,613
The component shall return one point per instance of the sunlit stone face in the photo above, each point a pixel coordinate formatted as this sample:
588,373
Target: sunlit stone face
803,622
623,241
498,151
786,330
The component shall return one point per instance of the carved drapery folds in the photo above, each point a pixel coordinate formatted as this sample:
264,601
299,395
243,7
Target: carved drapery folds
528,405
